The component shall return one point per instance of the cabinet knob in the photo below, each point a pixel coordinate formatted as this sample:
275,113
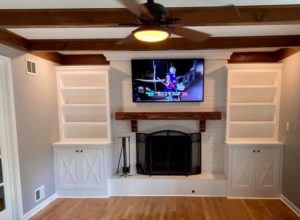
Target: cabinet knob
76,151
254,151
258,151
81,151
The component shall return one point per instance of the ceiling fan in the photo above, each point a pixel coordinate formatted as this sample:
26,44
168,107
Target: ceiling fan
156,25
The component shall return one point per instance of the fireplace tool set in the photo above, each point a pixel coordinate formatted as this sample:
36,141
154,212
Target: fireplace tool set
125,155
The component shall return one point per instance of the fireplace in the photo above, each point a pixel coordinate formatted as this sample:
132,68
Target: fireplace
168,152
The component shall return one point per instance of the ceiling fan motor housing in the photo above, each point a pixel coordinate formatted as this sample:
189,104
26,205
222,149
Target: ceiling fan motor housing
158,11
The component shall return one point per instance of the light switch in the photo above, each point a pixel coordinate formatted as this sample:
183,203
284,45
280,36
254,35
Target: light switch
287,126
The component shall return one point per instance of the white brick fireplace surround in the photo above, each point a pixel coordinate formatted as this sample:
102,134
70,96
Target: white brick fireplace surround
212,180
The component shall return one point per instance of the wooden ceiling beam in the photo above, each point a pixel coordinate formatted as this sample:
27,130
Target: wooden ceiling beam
50,56
191,16
170,44
285,52
252,57
15,41
88,59
263,57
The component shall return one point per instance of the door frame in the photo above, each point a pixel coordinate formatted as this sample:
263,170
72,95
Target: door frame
9,141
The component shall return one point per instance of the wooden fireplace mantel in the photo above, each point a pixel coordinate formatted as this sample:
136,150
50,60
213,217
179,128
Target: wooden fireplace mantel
199,116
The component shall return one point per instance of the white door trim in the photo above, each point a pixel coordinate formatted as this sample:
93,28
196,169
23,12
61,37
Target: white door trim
9,140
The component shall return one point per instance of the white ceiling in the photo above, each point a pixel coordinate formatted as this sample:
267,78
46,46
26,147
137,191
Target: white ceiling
4,4
101,33
104,32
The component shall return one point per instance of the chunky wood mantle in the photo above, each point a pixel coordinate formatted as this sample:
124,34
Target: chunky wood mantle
199,116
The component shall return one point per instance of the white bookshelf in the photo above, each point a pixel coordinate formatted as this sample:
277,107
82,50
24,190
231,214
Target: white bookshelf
83,94
253,98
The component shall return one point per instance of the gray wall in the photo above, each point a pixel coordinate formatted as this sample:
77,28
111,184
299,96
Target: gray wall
290,111
37,124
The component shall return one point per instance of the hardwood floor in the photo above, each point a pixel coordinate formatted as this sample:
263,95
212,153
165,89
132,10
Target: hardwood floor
165,208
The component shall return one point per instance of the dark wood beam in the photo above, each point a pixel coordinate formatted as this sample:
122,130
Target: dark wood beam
252,57
168,116
263,57
200,116
285,52
88,59
51,56
170,44
191,16
93,59
13,40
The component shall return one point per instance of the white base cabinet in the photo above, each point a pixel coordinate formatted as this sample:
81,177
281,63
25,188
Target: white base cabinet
254,171
81,170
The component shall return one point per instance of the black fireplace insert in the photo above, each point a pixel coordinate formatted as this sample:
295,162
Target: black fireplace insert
168,152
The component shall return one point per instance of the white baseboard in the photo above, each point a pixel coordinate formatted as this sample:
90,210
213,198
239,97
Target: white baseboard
291,205
82,193
81,197
254,198
39,207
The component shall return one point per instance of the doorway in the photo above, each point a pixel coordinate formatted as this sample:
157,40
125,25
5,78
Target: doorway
10,186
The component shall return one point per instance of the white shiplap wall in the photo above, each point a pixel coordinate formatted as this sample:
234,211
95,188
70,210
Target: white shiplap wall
215,100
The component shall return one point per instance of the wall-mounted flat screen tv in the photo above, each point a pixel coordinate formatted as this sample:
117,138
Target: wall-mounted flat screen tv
168,80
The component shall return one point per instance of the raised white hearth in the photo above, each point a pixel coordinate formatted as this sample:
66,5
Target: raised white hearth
205,184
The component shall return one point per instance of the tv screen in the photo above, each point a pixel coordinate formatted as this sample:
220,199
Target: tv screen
168,80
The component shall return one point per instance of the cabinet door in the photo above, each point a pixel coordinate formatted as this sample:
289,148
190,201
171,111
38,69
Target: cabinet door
67,169
268,169
243,169
92,162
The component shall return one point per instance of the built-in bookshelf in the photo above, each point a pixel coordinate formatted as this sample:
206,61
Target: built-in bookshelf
253,98
84,111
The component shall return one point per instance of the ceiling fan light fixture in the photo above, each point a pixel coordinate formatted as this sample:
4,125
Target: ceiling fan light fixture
150,34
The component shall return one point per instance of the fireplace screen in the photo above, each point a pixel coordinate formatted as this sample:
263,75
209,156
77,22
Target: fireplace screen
168,152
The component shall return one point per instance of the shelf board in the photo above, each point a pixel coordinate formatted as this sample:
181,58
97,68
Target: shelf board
80,73
254,141
82,141
84,88
254,87
85,123
83,105
250,122
253,104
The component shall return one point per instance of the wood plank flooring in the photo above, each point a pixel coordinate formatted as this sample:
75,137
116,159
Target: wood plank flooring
165,208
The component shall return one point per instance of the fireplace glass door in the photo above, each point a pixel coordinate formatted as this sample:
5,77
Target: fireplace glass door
168,153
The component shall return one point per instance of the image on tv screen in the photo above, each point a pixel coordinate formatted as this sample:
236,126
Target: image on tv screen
168,80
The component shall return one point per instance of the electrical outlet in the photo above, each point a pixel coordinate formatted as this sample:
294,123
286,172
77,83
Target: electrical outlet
39,193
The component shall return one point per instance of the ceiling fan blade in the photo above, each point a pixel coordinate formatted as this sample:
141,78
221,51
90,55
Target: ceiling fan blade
233,9
187,33
132,6
127,40
137,9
